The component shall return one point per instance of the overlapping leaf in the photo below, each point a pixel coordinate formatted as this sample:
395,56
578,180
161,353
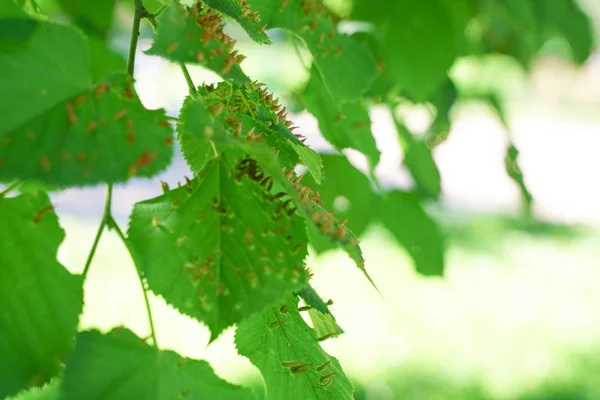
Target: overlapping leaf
346,125
247,111
287,352
244,15
195,34
402,214
119,365
40,300
101,135
346,66
223,246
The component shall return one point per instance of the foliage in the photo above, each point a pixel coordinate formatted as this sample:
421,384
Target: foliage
228,246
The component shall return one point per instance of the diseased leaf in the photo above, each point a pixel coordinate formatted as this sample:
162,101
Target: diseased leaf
287,352
324,325
346,125
195,35
40,301
401,213
418,158
119,366
346,66
241,111
222,247
244,15
51,77
348,192
101,135
312,299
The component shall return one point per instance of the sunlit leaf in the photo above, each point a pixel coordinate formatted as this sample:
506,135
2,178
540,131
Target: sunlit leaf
244,15
195,35
101,135
40,300
324,325
223,246
401,213
120,365
289,356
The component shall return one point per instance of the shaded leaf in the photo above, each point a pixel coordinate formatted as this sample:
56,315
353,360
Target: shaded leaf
94,21
119,366
346,66
223,246
40,300
287,353
195,35
101,135
51,78
401,213
51,391
346,125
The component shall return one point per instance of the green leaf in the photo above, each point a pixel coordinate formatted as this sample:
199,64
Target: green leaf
223,246
195,35
51,77
511,163
101,135
407,28
419,161
324,325
104,61
401,213
287,353
40,301
241,110
348,192
51,391
243,14
347,67
120,366
346,125
94,21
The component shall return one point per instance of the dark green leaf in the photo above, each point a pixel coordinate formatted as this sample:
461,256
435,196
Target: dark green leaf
101,135
287,352
51,391
401,213
120,366
223,246
40,300
95,20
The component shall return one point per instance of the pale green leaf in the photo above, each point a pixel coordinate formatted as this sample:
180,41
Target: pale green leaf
243,14
346,125
121,366
40,301
287,353
101,135
324,325
222,247
401,213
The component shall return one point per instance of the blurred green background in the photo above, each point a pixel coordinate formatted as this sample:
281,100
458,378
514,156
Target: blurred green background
516,314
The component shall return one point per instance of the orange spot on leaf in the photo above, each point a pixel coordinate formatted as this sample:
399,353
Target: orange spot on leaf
71,113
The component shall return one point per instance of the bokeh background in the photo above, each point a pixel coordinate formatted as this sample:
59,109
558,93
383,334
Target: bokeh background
516,315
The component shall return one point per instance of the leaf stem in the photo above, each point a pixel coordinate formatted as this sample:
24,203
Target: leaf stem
140,12
105,218
113,224
10,188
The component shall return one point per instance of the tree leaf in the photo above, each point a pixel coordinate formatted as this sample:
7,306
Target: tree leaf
119,366
346,66
195,35
324,325
419,161
401,213
52,78
288,355
252,245
102,135
408,27
40,301
241,110
348,192
94,21
346,125
51,391
243,14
